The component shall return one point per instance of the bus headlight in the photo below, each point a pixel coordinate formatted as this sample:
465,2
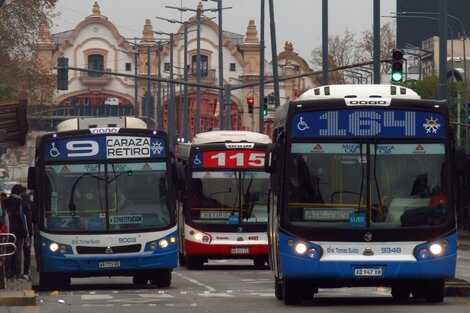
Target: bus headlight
205,239
301,248
424,253
53,247
312,253
163,243
63,248
436,249
198,236
153,245
172,239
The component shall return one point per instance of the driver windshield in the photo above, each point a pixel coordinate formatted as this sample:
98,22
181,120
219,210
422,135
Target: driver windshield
229,197
80,196
327,185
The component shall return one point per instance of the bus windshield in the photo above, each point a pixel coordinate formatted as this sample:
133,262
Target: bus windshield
131,196
229,197
328,184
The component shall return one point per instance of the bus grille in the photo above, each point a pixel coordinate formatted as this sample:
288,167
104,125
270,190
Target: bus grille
109,250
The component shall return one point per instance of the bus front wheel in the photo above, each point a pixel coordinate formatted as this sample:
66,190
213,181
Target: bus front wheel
278,288
294,291
161,278
194,262
431,290
140,279
54,281
260,262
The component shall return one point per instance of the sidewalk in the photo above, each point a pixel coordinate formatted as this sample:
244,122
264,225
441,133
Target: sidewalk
17,293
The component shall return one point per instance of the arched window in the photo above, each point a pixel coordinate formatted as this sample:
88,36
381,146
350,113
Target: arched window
204,65
95,62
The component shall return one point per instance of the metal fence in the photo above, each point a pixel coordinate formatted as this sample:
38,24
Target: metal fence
7,244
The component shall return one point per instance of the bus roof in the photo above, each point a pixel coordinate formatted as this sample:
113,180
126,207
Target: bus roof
100,122
359,91
230,136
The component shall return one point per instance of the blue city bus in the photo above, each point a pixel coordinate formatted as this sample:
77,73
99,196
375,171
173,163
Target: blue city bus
362,193
104,203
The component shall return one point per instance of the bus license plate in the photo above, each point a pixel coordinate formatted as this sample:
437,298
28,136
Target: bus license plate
240,250
368,272
108,264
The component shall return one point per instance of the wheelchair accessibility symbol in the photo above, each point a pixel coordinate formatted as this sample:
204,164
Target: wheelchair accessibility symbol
196,160
301,125
54,152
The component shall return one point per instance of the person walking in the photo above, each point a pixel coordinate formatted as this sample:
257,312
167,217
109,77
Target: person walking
15,207
28,207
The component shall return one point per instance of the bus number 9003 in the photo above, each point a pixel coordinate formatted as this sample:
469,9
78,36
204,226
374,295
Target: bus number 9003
127,240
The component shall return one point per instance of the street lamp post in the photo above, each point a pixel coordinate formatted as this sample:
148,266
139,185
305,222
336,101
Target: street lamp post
448,26
464,34
221,66
198,11
171,96
261,71
185,116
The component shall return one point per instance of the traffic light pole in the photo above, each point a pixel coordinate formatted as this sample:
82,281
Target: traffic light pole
261,69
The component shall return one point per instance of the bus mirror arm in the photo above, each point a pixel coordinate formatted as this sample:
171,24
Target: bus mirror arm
460,159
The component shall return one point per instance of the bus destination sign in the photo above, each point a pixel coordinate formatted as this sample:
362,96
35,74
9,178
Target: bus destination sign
368,123
248,159
104,147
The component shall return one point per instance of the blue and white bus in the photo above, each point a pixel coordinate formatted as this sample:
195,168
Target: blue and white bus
105,203
362,193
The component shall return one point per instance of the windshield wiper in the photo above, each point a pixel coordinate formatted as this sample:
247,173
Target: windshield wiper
375,177
362,176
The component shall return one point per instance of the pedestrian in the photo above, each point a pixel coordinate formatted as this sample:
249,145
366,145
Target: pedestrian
3,230
15,208
28,207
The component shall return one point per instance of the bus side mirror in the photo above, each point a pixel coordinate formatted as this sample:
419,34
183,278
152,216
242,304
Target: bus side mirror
269,161
32,176
460,159
180,175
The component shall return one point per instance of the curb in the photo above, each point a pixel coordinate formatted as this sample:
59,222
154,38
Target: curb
18,298
457,288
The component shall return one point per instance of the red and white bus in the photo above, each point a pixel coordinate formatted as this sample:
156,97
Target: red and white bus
223,197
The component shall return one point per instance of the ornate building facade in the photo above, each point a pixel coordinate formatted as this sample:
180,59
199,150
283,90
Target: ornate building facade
95,43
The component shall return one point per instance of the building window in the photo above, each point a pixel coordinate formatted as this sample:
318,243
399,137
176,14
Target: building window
233,67
128,66
166,67
204,65
95,62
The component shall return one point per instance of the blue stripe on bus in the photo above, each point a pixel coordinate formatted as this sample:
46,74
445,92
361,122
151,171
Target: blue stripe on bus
293,265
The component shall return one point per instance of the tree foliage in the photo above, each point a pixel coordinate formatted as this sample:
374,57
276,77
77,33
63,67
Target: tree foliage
348,49
19,27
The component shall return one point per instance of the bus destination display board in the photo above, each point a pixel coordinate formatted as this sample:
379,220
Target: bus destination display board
104,147
368,123
223,159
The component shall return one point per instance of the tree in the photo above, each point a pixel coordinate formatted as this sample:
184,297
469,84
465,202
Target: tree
19,26
347,49
340,50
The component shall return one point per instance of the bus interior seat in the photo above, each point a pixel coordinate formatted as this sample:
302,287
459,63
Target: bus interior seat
399,205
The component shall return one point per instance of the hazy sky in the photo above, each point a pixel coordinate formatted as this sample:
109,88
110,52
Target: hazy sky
297,21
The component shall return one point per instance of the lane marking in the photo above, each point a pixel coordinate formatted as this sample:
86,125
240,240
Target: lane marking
97,297
211,289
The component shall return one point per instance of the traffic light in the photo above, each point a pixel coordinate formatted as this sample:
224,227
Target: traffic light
250,101
468,113
265,106
62,73
397,65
